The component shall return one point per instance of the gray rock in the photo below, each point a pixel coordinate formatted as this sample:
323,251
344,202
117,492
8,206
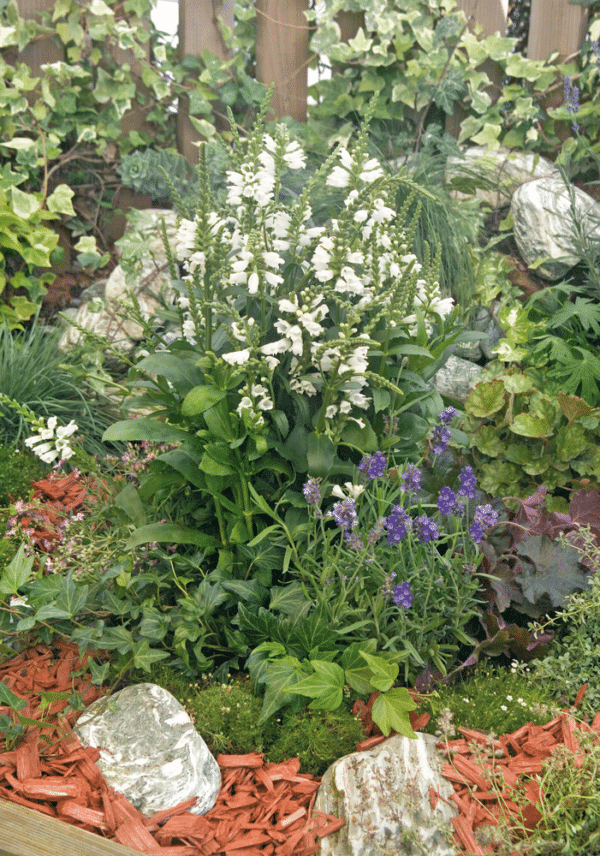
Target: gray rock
150,750
383,796
456,379
100,310
502,171
543,224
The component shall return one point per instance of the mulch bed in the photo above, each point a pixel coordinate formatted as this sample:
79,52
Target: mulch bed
262,809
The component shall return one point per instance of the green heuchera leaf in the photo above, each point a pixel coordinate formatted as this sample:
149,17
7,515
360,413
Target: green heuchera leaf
539,422
517,383
571,441
391,711
488,441
325,686
573,407
509,353
486,399
500,479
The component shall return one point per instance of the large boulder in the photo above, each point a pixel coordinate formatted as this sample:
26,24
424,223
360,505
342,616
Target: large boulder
497,173
543,212
150,750
383,795
101,313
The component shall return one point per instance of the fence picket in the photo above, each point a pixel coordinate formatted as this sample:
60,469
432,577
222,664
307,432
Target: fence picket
282,54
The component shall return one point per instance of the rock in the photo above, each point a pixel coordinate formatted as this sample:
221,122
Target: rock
383,796
100,313
456,379
543,224
150,750
502,171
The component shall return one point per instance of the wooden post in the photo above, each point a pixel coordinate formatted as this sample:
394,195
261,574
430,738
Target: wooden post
199,30
282,54
492,16
41,51
556,25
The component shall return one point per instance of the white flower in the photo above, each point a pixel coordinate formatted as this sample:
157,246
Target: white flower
358,399
293,156
273,278
262,393
360,422
338,177
331,411
327,358
293,333
237,358
509,698
189,330
345,407
278,347
303,385
65,431
272,260
245,404
348,282
381,212
253,283
272,363
288,306
503,707
371,170
197,261
352,490
185,239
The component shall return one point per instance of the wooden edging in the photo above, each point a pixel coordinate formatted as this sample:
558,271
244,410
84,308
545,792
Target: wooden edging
26,832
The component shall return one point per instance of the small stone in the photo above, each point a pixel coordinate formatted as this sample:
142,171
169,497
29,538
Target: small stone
150,750
456,379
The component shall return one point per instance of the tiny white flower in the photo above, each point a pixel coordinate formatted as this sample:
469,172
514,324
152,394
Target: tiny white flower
509,698
503,707
331,411
278,347
237,358
352,490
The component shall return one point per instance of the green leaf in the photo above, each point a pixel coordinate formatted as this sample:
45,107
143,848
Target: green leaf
357,671
72,598
129,501
486,399
200,399
320,454
16,573
170,533
571,441
60,200
364,439
515,322
488,442
552,573
383,673
9,699
183,374
24,204
517,383
144,656
279,677
325,686
290,600
539,422
390,710
145,429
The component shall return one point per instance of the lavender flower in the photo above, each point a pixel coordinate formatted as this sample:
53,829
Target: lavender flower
447,415
484,517
441,433
468,480
312,491
344,514
397,525
402,595
376,531
426,528
386,588
571,99
476,532
411,479
373,466
447,501
596,50
353,540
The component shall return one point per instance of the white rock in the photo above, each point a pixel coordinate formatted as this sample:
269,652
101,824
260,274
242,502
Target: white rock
150,750
456,379
543,224
383,796
503,170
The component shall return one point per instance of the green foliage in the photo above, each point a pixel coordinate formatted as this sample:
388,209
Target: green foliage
524,435
17,470
35,374
142,170
488,699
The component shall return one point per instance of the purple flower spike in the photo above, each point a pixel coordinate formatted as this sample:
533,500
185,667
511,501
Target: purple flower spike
476,532
485,516
447,415
468,480
377,466
446,501
312,491
426,529
411,479
397,525
344,514
402,595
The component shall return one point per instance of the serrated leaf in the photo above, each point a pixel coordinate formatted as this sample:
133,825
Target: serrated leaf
325,686
390,710
539,422
357,671
486,399
488,441
573,408
517,383
571,441
552,573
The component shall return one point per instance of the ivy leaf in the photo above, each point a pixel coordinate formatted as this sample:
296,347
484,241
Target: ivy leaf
60,200
383,673
279,677
355,666
144,656
391,711
9,699
325,686
16,573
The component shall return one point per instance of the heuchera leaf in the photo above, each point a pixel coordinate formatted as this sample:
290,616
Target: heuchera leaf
553,573
485,399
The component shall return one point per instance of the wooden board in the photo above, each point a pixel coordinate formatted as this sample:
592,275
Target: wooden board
26,832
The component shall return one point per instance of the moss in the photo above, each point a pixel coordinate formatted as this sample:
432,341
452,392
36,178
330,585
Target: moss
17,471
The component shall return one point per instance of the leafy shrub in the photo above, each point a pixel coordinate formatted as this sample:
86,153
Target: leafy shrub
142,170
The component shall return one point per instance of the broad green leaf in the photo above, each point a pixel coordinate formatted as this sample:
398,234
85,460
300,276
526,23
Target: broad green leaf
183,374
279,678
145,428
486,399
355,666
509,353
488,441
24,204
539,422
144,656
60,201
169,533
325,686
515,322
290,600
16,573
381,399
119,638
517,383
129,501
390,710
201,398
320,454
383,673
364,439
71,598
213,467
9,699
571,441
572,406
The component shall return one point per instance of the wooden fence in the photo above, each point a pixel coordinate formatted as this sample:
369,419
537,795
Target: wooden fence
282,44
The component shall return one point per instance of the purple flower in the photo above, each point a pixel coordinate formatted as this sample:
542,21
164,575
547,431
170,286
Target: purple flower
476,532
377,466
376,531
312,491
596,50
440,438
402,595
353,540
426,528
485,516
397,525
446,500
447,415
411,479
344,514
468,481
571,99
